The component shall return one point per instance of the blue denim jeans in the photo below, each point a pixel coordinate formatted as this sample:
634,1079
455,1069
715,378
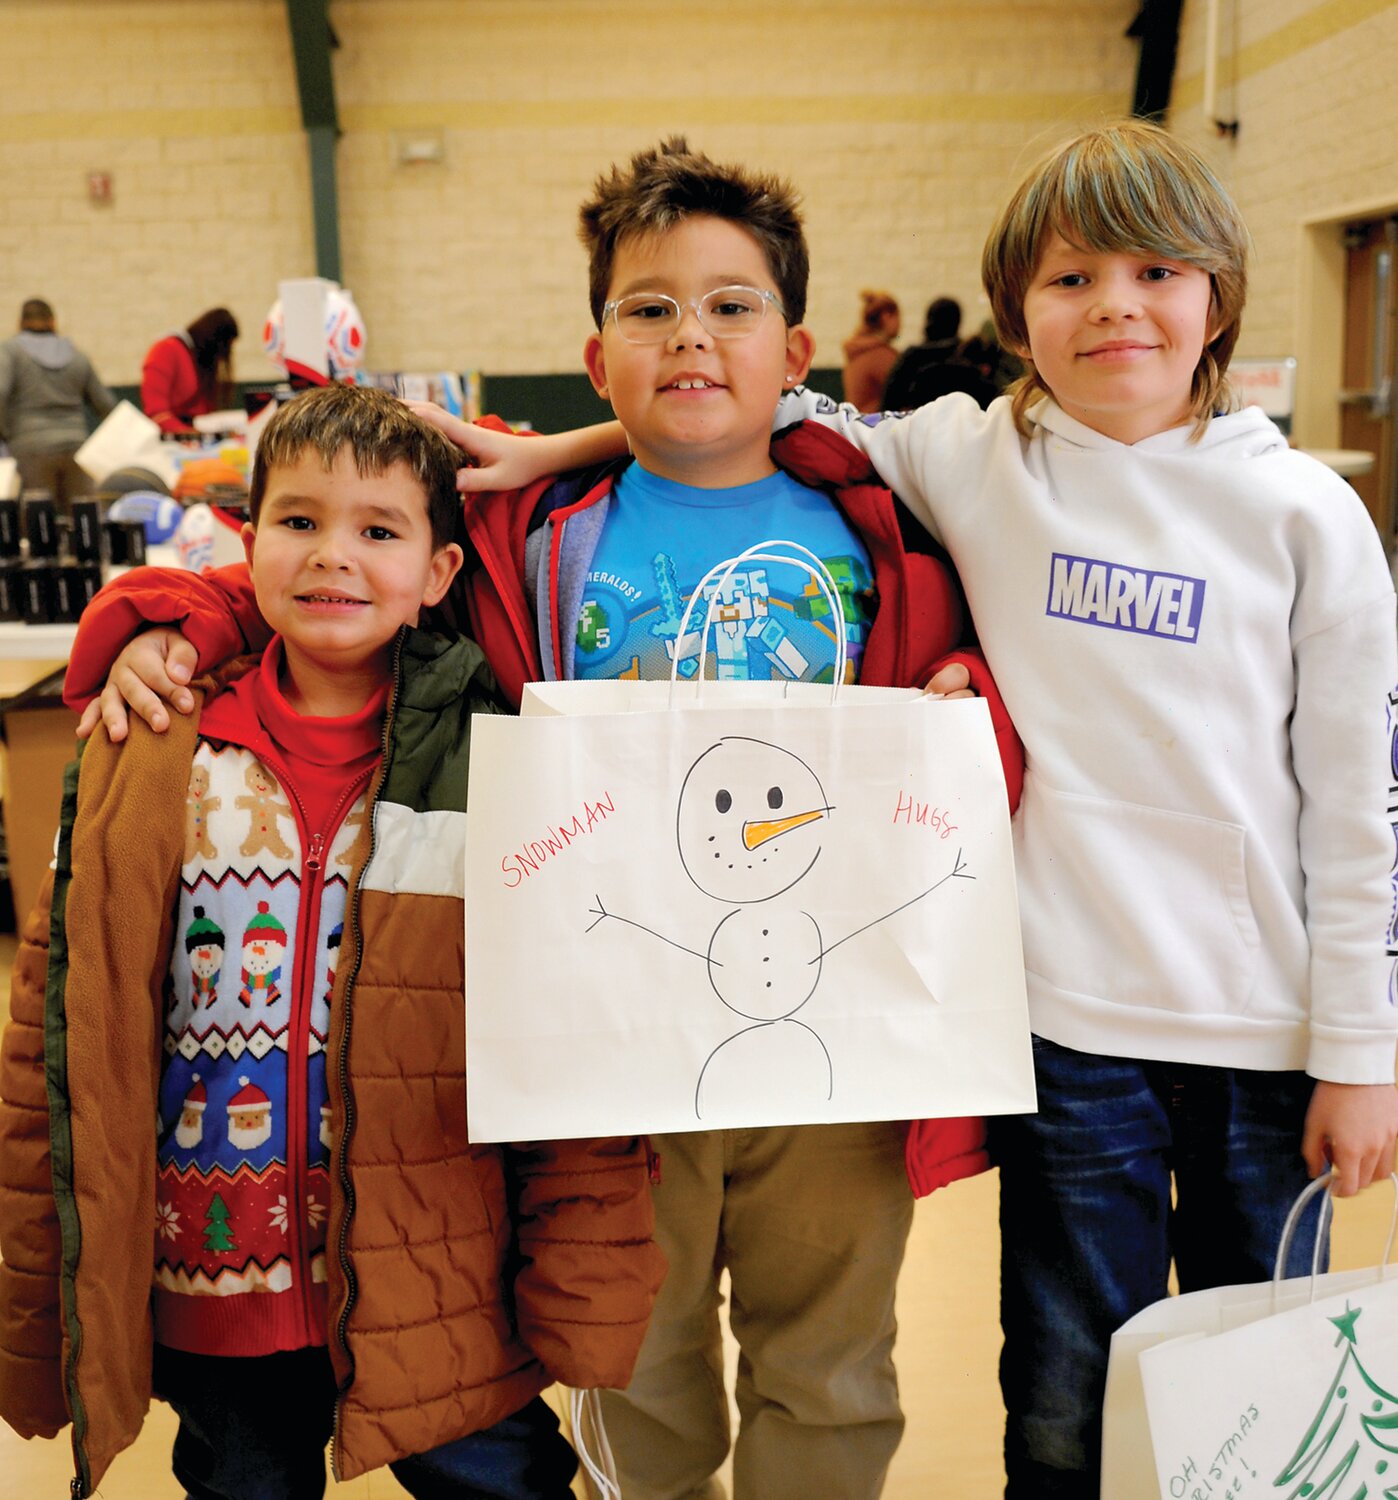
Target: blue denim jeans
256,1429
1088,1228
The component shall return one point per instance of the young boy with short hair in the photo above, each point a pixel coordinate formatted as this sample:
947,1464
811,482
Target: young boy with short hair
697,279
257,937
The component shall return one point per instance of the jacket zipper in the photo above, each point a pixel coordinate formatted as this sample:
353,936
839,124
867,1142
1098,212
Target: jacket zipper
303,982
342,1063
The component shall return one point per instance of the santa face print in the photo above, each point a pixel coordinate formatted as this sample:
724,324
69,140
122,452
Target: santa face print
190,1130
750,821
248,1128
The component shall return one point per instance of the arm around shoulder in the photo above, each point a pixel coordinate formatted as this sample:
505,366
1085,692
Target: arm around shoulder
216,612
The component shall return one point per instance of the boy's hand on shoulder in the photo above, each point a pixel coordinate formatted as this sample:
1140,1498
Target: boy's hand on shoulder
504,460
496,459
152,670
1352,1127
953,681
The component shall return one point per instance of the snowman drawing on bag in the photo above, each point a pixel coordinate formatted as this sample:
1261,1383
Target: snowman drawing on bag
751,823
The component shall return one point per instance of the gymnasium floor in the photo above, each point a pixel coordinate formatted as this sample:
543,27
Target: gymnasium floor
948,1344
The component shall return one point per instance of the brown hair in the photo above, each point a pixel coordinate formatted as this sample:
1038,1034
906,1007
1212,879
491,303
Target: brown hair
211,336
873,307
378,430
1129,188
36,316
666,185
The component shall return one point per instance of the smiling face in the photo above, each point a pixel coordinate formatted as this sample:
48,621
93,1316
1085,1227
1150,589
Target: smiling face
1117,337
697,409
340,560
751,819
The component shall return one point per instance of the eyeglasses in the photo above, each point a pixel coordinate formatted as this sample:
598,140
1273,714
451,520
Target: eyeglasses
728,312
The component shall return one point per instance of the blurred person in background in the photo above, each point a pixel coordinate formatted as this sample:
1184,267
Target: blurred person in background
984,352
189,373
936,366
46,386
869,353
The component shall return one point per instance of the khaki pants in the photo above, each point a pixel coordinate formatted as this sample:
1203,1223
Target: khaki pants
811,1223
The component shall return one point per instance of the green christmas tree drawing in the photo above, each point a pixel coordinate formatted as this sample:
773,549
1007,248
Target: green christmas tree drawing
1345,1453
218,1236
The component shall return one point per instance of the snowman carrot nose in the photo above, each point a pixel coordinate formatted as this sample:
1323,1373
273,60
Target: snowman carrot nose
758,833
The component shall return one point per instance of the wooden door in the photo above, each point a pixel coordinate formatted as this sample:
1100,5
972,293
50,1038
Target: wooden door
1370,396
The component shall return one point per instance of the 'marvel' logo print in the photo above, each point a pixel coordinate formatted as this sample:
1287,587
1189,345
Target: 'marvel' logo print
1122,598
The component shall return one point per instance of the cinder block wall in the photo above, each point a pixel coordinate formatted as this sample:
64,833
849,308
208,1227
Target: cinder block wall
902,121
191,106
1311,83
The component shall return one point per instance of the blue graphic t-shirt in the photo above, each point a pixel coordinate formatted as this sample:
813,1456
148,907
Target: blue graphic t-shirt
772,620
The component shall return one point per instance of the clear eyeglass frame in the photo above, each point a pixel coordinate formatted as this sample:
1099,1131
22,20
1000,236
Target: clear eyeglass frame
653,317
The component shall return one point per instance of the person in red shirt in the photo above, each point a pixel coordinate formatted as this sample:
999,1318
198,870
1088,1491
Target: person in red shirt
190,372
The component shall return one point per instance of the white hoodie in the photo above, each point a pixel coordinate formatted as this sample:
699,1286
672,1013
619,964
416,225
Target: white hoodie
1197,644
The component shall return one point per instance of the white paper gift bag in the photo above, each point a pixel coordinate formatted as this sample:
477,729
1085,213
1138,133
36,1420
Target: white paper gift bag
744,908
1277,1389
126,438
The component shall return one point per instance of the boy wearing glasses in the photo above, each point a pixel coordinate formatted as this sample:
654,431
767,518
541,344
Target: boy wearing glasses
698,287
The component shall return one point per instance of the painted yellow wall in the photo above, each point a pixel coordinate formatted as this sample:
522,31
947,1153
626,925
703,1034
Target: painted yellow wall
1311,83
191,106
901,121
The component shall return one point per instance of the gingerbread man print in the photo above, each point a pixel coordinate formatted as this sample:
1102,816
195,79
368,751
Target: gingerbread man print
197,808
264,810
355,819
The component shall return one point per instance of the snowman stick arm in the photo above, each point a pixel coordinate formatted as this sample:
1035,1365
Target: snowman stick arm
601,913
957,872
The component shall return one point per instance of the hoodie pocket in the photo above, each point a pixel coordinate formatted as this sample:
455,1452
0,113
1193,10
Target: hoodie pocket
1133,905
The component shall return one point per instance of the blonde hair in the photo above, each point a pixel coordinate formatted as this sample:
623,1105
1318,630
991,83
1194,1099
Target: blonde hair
1129,188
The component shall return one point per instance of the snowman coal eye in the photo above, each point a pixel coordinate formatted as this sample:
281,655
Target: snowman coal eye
723,800
774,797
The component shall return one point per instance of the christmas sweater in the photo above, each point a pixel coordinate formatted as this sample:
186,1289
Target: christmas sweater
274,804
462,1276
